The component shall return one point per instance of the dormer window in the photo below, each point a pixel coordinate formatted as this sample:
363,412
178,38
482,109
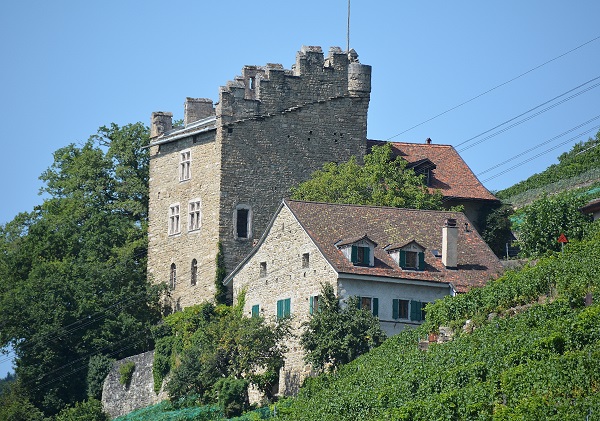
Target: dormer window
410,256
359,250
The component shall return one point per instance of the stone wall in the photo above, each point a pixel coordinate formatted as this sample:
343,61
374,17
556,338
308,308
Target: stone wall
118,399
286,277
182,248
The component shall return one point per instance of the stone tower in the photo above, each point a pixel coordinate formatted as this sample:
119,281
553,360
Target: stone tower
222,175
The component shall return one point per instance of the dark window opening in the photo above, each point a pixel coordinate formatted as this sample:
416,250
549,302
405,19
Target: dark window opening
263,269
194,272
173,276
242,223
305,260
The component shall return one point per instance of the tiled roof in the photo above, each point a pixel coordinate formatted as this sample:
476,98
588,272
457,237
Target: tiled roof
592,206
452,176
328,223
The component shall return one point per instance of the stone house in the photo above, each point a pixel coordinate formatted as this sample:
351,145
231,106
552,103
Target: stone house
395,260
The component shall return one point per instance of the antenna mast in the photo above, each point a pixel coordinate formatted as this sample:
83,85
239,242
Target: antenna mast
348,31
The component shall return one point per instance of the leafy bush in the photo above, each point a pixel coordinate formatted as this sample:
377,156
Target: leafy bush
232,395
90,410
126,372
98,368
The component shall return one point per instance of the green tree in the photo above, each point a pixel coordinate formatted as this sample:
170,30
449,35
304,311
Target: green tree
496,229
381,181
337,334
549,217
73,272
214,343
89,410
220,274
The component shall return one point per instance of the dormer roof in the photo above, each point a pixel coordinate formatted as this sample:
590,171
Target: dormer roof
354,240
327,223
398,246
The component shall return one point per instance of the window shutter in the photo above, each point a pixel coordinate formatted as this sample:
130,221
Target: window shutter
354,256
367,255
279,309
421,260
287,307
255,310
402,259
395,309
359,304
375,306
415,311
311,305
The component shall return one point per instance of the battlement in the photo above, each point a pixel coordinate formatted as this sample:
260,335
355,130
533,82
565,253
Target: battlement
271,89
262,91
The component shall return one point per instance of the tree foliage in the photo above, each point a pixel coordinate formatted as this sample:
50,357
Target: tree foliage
336,334
381,181
547,218
73,271
203,345
496,229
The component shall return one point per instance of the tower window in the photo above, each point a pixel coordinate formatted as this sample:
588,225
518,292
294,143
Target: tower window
194,272
242,222
174,226
173,276
185,165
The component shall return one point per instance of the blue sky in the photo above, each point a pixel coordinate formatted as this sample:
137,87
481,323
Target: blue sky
69,67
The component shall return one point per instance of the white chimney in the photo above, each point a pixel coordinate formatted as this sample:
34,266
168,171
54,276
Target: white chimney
450,244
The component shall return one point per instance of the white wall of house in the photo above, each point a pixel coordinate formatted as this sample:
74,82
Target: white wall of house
386,292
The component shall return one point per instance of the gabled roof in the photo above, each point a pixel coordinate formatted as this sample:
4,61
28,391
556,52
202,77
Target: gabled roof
397,246
352,240
452,176
327,223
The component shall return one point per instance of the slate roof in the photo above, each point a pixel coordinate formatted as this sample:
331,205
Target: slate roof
327,224
452,176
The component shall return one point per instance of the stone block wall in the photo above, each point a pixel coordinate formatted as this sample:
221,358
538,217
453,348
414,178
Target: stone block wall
118,399
182,248
286,277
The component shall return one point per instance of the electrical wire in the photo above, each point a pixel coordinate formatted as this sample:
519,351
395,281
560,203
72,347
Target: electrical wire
494,88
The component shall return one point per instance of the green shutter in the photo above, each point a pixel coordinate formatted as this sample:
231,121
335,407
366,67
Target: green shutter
375,303
421,260
359,303
311,305
402,259
395,308
279,309
354,257
415,311
367,253
255,310
287,307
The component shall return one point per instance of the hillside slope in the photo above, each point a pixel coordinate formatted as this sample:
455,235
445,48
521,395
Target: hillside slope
527,358
576,168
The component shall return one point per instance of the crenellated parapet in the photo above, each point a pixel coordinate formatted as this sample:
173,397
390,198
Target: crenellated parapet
262,91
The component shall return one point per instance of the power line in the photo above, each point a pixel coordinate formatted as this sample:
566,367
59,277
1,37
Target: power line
528,111
538,145
494,88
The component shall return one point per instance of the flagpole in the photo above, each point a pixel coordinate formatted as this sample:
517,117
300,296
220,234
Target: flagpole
348,30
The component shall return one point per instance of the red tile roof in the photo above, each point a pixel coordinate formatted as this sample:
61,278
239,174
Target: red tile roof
452,176
327,224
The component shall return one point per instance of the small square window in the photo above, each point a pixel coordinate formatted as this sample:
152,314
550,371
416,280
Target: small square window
400,309
361,256
263,269
305,260
369,303
411,259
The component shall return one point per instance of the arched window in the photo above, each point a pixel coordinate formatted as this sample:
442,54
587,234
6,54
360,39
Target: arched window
194,272
173,276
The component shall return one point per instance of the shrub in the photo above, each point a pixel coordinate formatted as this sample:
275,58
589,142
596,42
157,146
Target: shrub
126,372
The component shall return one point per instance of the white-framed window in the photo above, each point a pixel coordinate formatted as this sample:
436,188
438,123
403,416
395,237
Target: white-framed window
174,221
194,215
185,165
173,276
242,222
194,272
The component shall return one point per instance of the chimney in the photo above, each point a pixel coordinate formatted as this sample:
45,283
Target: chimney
160,123
450,244
196,109
428,141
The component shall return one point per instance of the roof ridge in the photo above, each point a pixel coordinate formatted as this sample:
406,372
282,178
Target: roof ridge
287,200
